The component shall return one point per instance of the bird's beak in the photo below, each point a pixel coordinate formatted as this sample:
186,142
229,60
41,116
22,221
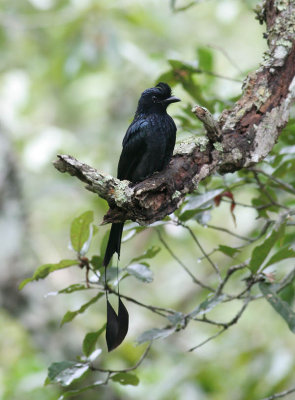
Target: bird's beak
171,99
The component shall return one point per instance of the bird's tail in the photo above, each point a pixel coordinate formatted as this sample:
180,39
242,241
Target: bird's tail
117,324
114,243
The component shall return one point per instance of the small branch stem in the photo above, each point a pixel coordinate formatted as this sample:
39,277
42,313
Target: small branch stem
173,255
280,395
158,310
207,340
211,126
281,183
115,371
215,267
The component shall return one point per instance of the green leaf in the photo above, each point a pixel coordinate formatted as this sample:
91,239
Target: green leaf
96,262
133,225
198,203
70,315
141,272
90,340
168,77
73,288
125,379
44,270
205,58
150,253
154,334
131,229
287,294
284,168
202,217
281,255
93,356
279,305
262,201
190,214
72,393
176,319
80,231
260,252
229,251
183,66
65,372
207,305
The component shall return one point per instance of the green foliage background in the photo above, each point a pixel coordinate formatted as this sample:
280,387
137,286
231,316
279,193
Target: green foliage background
71,75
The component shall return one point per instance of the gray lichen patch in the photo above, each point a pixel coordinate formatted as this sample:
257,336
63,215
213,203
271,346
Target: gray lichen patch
202,142
280,52
188,145
284,42
236,154
267,133
218,146
281,5
122,193
266,59
176,195
107,178
262,94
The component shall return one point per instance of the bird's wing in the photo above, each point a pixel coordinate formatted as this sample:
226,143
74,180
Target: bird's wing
170,144
134,146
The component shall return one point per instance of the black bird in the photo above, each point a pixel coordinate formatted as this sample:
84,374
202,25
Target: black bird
147,147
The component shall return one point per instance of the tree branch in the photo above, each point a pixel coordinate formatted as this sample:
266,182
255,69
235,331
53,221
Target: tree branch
245,134
281,394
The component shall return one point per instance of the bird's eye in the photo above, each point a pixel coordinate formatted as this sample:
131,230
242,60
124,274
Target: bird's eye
154,99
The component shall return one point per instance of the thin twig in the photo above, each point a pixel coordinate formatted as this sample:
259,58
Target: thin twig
286,280
158,310
178,260
280,395
219,228
225,325
266,193
201,248
248,205
230,271
114,371
207,340
251,281
281,183
250,240
227,56
218,75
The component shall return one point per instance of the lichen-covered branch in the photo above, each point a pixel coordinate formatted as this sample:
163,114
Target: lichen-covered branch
211,125
116,192
242,137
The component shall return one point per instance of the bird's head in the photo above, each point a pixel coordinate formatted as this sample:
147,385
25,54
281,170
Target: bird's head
158,97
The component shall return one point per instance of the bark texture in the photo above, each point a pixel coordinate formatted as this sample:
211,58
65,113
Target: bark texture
242,137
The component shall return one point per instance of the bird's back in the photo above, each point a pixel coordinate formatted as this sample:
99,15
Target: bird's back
147,146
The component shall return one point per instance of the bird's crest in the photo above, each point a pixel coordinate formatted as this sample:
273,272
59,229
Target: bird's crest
164,89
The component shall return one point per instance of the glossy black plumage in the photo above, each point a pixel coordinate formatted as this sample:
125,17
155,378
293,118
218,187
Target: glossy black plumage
149,141
147,148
